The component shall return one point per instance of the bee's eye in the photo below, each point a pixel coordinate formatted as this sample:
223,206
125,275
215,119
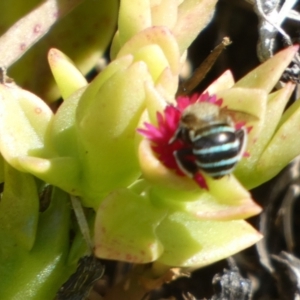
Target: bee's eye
189,119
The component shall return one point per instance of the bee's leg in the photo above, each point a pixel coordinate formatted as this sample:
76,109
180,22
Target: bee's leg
175,136
186,161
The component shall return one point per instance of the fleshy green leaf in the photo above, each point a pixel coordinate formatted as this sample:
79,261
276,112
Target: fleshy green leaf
159,15
93,88
160,36
68,78
193,16
134,16
125,228
63,172
19,207
284,145
247,170
39,273
24,120
189,242
62,130
226,199
224,82
266,75
83,35
246,101
155,59
106,133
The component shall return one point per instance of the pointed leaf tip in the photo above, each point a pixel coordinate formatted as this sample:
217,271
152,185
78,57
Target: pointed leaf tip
268,74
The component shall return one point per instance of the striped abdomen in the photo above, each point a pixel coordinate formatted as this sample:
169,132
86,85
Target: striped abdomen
217,148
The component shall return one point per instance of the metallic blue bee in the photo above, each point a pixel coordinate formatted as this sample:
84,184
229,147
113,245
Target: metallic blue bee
211,142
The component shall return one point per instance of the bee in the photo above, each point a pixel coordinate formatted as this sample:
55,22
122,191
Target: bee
211,143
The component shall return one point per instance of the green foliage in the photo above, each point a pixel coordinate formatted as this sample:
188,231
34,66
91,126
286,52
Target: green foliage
143,211
34,246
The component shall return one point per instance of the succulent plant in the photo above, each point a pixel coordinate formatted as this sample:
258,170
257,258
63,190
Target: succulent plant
109,144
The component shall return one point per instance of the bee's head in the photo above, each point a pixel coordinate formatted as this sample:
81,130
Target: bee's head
200,114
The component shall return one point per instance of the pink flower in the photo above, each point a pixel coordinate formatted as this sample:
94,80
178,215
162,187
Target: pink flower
168,123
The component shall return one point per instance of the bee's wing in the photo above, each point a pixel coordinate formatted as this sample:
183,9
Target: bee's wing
239,116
